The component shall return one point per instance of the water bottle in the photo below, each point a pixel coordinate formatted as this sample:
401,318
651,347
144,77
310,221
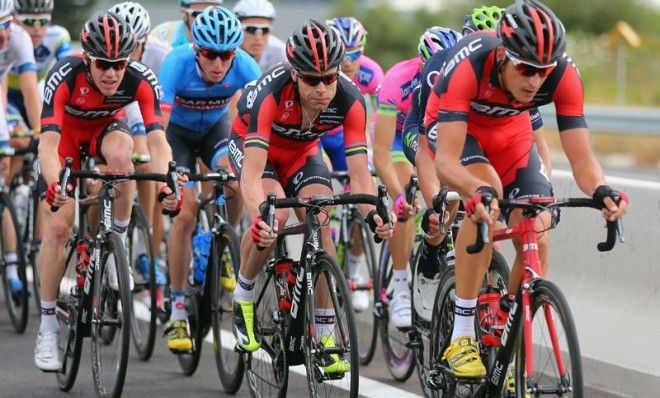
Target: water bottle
201,248
21,203
489,307
82,262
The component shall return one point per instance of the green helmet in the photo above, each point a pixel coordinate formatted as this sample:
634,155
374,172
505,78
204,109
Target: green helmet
482,18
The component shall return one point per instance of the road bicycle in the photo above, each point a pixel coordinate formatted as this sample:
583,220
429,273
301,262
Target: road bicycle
285,310
87,304
536,340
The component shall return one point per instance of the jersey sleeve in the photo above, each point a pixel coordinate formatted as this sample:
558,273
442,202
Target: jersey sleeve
168,79
535,118
389,96
453,93
355,139
262,114
376,82
134,117
569,99
147,98
63,45
23,51
56,94
413,118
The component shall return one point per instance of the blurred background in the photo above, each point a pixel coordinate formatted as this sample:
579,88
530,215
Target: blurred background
615,43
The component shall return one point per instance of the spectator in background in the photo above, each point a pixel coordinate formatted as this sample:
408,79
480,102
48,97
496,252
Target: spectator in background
257,16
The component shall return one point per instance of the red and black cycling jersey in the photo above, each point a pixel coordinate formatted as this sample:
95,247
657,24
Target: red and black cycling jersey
469,90
71,99
269,113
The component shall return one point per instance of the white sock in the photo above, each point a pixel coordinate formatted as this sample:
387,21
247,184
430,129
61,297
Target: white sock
464,311
11,268
121,227
178,298
245,290
48,317
400,281
325,322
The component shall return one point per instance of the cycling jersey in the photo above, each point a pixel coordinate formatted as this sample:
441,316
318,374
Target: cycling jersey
192,102
56,45
74,107
500,125
172,32
273,54
17,53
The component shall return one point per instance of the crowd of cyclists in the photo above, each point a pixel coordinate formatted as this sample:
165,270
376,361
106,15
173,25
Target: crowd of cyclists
216,89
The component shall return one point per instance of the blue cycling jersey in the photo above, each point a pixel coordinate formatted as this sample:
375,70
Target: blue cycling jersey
193,103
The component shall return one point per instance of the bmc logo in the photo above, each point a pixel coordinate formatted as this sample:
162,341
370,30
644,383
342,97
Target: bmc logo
495,110
252,95
90,114
463,53
56,77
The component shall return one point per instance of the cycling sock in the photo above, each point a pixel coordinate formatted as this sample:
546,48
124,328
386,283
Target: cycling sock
48,317
354,264
178,298
400,280
464,311
120,227
11,268
245,289
429,263
325,322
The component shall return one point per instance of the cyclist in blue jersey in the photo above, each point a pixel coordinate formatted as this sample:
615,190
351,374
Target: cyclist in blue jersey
200,82
178,33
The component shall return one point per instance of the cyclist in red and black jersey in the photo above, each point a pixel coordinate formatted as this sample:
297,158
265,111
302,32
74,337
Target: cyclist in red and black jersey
274,147
485,145
83,99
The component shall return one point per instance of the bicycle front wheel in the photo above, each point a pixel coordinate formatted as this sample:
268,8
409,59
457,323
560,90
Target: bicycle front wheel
140,249
555,351
16,298
442,324
111,318
225,262
331,345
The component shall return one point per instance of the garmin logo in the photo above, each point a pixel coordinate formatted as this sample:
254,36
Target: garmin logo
54,80
463,53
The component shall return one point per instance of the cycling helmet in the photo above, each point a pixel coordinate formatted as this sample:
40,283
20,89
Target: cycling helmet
187,3
107,35
217,28
436,38
482,18
254,8
350,30
532,33
314,47
6,8
135,15
34,6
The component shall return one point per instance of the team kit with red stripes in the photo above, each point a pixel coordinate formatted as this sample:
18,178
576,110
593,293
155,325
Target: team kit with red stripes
210,108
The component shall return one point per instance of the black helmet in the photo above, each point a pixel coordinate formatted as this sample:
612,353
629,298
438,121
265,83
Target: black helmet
532,33
107,35
314,47
34,6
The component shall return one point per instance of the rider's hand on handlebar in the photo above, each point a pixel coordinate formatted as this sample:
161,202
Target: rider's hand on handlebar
53,194
262,236
431,222
475,207
403,209
383,230
168,199
608,199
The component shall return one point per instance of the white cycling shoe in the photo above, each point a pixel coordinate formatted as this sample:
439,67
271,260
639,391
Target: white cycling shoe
400,310
46,352
424,294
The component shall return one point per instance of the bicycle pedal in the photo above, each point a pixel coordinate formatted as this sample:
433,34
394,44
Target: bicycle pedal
240,350
334,376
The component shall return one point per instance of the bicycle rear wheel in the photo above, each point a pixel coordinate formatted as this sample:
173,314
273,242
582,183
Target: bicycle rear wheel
555,340
10,240
34,244
67,312
266,369
111,319
190,361
400,358
225,262
144,296
341,328
366,319
442,325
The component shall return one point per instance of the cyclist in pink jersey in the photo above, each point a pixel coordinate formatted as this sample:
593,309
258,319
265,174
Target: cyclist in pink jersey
394,170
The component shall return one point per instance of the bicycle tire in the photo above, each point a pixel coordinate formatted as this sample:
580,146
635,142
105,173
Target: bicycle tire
366,318
399,358
19,306
267,370
105,330
70,340
345,331
230,365
190,361
143,317
35,245
547,295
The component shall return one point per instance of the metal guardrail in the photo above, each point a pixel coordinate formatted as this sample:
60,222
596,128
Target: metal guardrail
613,119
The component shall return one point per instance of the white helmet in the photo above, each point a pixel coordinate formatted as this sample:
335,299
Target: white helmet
6,8
254,8
136,16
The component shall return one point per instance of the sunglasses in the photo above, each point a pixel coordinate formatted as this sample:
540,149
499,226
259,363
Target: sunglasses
316,80
212,55
530,70
193,13
105,65
31,21
254,29
353,55
4,25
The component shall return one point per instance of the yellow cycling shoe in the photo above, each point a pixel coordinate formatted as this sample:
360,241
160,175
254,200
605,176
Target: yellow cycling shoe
511,385
332,363
227,278
244,326
178,339
463,358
